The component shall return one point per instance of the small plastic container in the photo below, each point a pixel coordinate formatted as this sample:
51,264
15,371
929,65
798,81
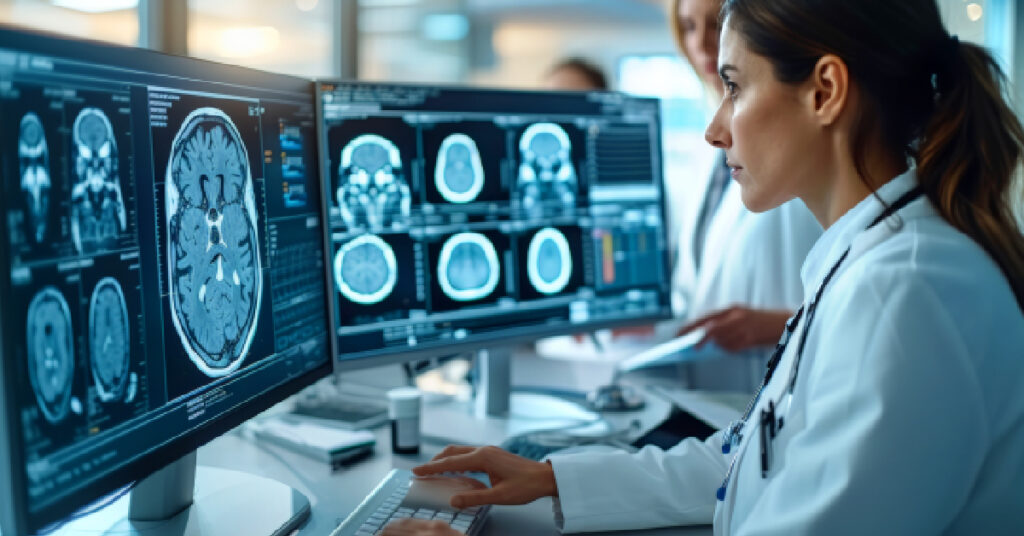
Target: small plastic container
404,411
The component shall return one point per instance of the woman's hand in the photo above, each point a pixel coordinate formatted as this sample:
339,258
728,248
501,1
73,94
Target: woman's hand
514,480
739,328
419,527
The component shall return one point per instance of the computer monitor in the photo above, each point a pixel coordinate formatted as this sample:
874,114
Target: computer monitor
162,257
465,218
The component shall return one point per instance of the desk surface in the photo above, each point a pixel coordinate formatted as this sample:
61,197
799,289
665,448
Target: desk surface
334,494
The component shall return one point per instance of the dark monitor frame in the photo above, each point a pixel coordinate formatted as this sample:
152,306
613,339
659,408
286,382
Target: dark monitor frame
488,340
14,512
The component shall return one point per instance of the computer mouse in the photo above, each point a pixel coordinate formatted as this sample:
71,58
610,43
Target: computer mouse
615,397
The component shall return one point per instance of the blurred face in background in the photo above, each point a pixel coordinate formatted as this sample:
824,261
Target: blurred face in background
698,31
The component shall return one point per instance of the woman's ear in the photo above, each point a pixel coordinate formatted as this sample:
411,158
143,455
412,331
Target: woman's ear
829,84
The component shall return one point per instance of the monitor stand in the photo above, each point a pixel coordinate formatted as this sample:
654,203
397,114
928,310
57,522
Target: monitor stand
498,411
178,500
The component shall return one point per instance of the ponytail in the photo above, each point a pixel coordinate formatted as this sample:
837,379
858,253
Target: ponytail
968,158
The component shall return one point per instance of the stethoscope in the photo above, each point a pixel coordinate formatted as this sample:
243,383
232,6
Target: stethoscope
772,419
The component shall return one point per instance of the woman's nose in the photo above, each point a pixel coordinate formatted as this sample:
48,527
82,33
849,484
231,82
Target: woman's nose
717,134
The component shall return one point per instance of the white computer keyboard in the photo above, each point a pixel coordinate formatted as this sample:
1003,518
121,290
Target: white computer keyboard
396,497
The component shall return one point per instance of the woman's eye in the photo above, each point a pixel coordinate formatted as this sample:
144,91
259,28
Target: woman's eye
731,88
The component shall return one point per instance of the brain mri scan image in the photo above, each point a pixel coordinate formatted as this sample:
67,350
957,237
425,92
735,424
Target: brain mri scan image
372,192
109,339
98,213
459,174
468,268
549,261
34,169
51,358
213,249
365,270
546,172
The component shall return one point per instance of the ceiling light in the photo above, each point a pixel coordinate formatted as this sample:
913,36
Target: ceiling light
974,12
96,6
306,5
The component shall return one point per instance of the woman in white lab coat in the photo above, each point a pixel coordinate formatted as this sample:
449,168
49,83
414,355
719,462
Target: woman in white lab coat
897,402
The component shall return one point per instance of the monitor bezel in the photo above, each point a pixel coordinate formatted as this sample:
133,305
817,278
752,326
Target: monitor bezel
16,518
485,340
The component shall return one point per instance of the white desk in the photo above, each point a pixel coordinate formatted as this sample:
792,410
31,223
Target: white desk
334,494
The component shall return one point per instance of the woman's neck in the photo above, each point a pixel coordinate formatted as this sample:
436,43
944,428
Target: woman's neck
836,197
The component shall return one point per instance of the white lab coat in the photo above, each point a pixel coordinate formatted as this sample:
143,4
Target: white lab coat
749,259
907,416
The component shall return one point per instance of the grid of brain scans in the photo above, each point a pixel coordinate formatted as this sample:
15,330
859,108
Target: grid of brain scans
167,263
75,272
463,213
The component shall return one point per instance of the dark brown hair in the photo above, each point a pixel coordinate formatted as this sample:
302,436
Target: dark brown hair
590,71
941,101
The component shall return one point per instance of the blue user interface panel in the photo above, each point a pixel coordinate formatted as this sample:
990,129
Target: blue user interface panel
460,217
161,225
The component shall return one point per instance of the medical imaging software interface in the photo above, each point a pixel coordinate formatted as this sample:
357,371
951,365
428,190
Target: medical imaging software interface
166,258
459,215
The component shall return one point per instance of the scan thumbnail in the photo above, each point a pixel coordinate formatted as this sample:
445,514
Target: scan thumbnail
34,171
468,269
370,163
378,277
463,162
98,213
365,270
51,355
109,340
547,175
551,262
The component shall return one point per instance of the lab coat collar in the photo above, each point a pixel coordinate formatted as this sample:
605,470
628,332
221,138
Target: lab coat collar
837,238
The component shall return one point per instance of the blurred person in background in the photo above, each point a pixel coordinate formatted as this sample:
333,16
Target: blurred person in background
575,74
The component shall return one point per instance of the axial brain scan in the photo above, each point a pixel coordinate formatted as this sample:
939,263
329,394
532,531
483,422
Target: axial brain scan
365,270
34,168
51,359
98,213
213,251
468,268
459,174
372,190
109,339
546,172
548,261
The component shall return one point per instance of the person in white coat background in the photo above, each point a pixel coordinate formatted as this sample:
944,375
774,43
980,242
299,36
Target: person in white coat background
736,273
896,402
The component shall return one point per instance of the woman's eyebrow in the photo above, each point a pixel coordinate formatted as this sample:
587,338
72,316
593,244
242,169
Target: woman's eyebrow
724,70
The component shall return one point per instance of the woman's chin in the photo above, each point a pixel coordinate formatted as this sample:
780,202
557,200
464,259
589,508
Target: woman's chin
756,201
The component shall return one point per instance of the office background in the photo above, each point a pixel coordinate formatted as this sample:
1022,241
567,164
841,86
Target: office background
503,43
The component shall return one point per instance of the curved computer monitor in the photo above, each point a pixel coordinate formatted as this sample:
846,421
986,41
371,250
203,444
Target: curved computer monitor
162,260
464,218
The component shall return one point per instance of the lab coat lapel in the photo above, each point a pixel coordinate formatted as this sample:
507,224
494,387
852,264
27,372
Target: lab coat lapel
724,226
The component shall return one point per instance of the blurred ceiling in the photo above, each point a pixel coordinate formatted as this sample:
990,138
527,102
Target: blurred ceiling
634,11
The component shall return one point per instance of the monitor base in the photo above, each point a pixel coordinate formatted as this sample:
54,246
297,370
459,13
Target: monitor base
225,502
